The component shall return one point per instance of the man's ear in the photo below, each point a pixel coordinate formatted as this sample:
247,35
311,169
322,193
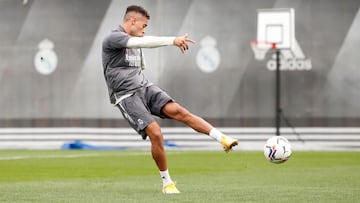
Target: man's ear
133,20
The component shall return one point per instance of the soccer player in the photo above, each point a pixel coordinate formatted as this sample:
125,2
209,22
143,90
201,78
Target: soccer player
138,98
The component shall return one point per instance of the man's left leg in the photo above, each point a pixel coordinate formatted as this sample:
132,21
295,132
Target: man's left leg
177,112
153,131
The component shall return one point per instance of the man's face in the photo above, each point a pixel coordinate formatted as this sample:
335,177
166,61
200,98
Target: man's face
138,25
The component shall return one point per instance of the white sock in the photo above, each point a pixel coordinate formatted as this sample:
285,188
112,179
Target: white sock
165,176
216,134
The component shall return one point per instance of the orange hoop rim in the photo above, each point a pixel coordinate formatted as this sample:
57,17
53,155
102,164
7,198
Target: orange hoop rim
272,44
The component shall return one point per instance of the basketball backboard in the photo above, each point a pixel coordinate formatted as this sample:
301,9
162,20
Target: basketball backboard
277,26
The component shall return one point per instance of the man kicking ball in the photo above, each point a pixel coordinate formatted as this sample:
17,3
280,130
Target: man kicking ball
138,98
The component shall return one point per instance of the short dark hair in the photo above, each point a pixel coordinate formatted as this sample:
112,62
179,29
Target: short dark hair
138,9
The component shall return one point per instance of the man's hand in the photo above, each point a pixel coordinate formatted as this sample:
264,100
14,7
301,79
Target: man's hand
182,42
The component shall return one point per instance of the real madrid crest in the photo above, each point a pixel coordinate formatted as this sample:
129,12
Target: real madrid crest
46,59
208,57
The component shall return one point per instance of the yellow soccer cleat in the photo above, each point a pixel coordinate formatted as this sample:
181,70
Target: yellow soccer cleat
228,143
170,189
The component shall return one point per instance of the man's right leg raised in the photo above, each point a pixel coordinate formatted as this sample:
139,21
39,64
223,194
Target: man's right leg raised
177,112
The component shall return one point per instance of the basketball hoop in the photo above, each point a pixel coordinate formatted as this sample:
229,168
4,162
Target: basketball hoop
261,48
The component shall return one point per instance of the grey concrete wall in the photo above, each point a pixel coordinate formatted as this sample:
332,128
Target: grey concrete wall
240,88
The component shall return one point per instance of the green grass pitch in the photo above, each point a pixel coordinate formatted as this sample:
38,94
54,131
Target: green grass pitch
206,176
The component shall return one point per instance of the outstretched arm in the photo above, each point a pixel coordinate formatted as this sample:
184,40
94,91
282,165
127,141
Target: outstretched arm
153,42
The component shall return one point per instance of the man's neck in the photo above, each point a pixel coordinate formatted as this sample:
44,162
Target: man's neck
125,27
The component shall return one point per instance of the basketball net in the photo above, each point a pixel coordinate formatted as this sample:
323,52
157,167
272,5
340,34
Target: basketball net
261,48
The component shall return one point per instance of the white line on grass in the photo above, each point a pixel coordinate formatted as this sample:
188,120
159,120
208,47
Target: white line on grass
49,156
70,156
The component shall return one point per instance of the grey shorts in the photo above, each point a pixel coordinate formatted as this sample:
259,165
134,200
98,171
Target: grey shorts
139,108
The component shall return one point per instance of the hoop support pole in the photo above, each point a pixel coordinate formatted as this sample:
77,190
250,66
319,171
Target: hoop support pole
277,94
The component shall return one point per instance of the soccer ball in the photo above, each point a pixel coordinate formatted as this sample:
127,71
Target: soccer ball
277,149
